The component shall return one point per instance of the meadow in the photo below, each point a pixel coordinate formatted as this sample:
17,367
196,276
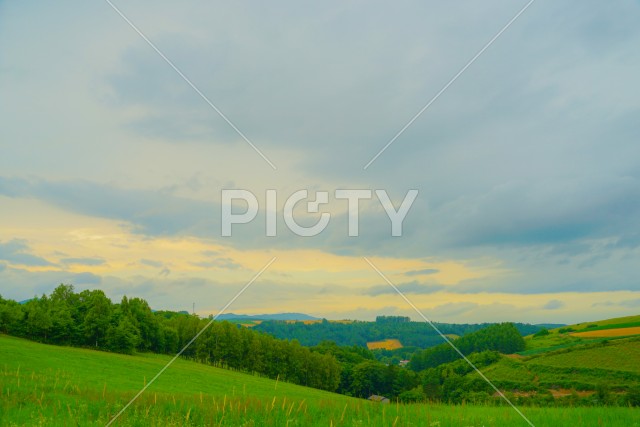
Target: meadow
62,386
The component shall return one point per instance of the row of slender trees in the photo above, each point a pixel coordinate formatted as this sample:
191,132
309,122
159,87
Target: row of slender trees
90,319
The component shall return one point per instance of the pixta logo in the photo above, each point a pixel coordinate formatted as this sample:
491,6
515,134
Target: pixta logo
352,198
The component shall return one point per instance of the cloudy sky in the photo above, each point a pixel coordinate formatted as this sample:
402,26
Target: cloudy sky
527,166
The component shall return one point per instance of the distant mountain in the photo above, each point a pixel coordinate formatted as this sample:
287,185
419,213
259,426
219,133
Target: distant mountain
277,316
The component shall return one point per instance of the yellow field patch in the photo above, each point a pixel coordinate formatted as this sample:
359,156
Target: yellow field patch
389,344
251,323
619,332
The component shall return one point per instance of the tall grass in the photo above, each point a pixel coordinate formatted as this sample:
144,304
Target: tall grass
53,386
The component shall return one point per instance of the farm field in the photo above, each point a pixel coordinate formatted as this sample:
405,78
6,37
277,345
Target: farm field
388,344
605,333
574,369
617,356
582,333
617,322
61,386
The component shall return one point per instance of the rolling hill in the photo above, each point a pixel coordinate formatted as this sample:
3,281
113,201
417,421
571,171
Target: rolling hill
60,386
568,360
582,333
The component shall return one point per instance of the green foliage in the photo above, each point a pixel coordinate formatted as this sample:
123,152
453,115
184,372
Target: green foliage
633,396
541,333
11,316
412,396
503,337
603,394
410,334
392,319
618,355
90,319
62,386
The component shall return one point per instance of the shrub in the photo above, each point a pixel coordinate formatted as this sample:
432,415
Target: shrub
413,395
541,333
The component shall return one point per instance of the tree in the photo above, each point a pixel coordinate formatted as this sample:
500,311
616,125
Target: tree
97,317
368,379
414,395
431,384
11,316
503,337
123,338
38,318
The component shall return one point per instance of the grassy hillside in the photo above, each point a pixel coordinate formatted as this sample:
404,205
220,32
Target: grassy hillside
50,385
617,322
581,334
582,368
575,358
620,355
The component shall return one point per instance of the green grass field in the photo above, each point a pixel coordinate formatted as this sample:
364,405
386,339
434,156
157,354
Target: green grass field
61,386
618,322
626,357
557,341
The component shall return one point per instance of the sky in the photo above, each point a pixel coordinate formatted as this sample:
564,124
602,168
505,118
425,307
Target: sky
527,166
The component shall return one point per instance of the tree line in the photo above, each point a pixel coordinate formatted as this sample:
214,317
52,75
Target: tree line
90,319
502,337
410,334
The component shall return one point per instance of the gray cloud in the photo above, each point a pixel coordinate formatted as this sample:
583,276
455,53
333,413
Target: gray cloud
16,252
83,261
151,263
151,212
452,309
22,284
632,303
530,158
424,272
406,288
553,304
225,263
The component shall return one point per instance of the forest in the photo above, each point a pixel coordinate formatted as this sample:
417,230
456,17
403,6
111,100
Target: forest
503,337
89,319
411,334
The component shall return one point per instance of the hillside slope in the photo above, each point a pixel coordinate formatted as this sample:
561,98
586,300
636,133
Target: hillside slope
582,333
573,359
62,386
